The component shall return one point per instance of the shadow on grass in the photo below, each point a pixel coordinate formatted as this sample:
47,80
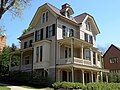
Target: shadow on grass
24,85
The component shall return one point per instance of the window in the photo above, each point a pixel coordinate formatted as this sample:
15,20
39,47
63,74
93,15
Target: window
50,31
30,43
27,60
69,52
25,45
43,18
88,26
37,54
94,58
39,35
87,55
40,53
65,52
114,60
46,16
64,30
86,37
71,33
90,39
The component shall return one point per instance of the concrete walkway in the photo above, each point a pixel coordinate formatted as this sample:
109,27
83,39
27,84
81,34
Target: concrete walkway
21,88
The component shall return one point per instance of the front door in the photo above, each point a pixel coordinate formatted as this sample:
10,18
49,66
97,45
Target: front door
64,76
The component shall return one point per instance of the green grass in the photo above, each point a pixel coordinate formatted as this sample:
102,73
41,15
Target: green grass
4,88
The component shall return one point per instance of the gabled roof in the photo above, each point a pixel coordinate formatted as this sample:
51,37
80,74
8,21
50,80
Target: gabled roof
110,48
80,18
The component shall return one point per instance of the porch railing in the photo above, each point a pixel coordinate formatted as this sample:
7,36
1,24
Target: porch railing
76,61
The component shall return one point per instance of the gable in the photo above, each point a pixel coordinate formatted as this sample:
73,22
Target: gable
111,49
37,17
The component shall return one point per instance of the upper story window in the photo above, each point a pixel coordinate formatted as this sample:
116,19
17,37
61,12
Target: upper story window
67,32
88,38
71,32
45,17
25,45
114,60
94,57
41,50
87,54
50,31
39,35
88,26
67,52
30,43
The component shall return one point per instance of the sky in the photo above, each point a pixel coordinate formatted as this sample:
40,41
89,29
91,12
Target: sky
105,12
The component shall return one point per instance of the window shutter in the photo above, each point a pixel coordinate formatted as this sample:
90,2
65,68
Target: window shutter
47,32
35,35
53,31
41,35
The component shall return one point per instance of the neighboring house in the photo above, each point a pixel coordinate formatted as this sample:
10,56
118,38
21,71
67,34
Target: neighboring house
61,46
2,42
111,59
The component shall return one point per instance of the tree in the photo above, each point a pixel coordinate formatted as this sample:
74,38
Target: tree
8,54
14,6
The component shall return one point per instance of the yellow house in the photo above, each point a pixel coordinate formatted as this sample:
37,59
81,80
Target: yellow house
61,46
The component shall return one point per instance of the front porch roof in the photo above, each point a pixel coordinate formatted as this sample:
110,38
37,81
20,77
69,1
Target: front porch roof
83,67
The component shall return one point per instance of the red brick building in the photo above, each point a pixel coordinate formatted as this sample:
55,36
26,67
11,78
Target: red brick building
111,59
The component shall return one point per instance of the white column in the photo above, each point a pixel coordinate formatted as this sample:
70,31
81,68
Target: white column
83,77
67,76
97,77
91,54
91,76
106,77
101,75
72,74
58,75
82,52
72,51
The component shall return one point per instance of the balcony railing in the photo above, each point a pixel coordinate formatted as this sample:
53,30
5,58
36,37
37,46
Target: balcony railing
76,61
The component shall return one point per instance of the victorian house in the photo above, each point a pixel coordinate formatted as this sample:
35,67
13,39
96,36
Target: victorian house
62,47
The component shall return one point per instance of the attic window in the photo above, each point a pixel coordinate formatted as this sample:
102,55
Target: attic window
88,26
45,17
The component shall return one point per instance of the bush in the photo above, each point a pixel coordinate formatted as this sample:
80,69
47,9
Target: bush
68,85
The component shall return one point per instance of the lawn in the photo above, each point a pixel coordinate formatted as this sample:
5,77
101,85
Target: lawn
4,88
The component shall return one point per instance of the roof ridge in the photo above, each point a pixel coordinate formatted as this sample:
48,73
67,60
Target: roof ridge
52,6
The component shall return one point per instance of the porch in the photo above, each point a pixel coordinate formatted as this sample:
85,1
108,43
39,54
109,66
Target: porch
75,51
76,73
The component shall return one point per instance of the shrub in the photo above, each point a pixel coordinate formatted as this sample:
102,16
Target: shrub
68,85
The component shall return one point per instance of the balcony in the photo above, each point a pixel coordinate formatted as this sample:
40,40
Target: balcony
77,61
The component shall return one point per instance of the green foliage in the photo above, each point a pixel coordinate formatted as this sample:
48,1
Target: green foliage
21,77
114,77
5,56
68,85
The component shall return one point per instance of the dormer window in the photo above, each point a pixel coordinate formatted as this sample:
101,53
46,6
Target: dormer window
45,17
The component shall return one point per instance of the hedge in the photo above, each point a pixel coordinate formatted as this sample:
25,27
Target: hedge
89,86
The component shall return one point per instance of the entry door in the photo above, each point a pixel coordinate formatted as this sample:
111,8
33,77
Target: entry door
64,76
